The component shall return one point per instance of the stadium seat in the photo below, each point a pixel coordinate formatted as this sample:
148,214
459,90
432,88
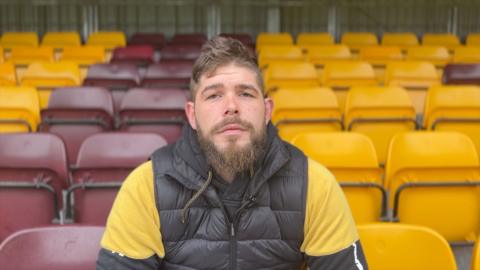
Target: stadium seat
379,113
75,113
436,55
279,54
415,76
33,172
461,74
305,110
158,111
357,40
156,40
314,39
401,40
118,78
450,41
473,39
464,54
433,179
176,52
46,76
8,76
19,109
379,56
59,40
454,108
352,159
189,38
274,39
299,74
320,55
84,57
21,57
169,74
103,162
400,247
52,248
19,39
139,55
476,256
341,76
108,40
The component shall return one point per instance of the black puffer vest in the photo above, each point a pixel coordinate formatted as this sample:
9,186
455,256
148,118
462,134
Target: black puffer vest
267,230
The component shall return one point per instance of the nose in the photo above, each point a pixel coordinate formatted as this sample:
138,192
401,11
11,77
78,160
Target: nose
231,106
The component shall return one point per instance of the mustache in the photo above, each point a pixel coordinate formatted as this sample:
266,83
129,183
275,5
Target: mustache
232,120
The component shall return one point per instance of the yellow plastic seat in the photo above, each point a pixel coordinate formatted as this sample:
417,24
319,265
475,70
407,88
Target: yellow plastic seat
270,39
379,113
108,40
379,56
401,40
59,40
342,75
450,41
23,56
473,39
466,54
2,55
19,109
300,110
433,179
357,40
295,74
437,55
476,256
352,159
84,56
279,54
400,247
454,108
7,74
19,39
415,76
46,76
320,55
314,39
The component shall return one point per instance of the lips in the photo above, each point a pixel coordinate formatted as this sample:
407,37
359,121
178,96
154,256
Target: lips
232,128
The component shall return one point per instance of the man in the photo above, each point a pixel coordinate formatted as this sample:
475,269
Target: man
230,194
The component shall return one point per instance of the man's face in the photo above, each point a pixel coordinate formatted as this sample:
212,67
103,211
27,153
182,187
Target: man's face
229,110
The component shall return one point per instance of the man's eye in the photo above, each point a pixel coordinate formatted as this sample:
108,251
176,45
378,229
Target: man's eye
213,96
246,94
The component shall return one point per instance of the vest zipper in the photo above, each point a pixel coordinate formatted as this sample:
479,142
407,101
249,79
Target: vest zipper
233,247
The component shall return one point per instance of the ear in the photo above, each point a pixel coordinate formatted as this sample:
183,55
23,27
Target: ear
190,112
268,109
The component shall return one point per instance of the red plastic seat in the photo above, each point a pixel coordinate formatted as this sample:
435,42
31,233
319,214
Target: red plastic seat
176,52
33,172
159,111
156,40
103,163
52,248
138,55
461,74
168,74
190,38
76,113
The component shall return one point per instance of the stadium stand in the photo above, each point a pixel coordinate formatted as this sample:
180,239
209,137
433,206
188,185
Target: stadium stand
352,159
52,248
401,246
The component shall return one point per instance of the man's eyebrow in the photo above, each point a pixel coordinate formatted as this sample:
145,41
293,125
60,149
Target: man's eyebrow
245,86
211,87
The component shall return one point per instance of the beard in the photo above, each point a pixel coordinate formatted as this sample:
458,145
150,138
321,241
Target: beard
233,159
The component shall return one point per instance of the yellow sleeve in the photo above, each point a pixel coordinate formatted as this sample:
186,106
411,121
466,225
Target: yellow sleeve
329,226
133,226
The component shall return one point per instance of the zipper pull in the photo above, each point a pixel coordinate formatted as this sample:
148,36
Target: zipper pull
232,229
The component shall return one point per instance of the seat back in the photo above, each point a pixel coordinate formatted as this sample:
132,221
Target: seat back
454,108
314,39
139,55
76,113
52,248
380,55
103,162
19,109
159,111
84,55
245,38
19,39
108,40
8,76
274,39
58,40
33,172
189,38
464,54
23,56
379,113
357,40
473,39
461,74
175,52
437,55
352,159
299,110
402,40
156,40
450,41
169,74
279,54
433,178
400,246
320,55
295,74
